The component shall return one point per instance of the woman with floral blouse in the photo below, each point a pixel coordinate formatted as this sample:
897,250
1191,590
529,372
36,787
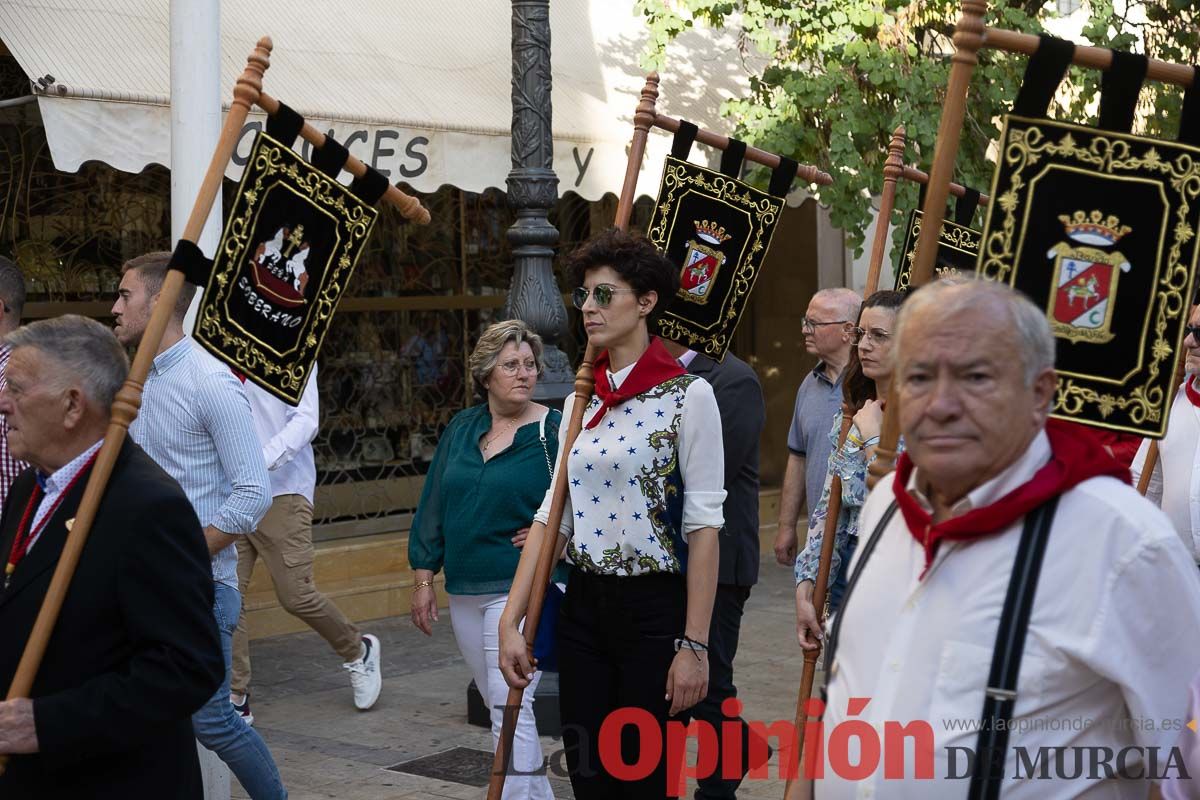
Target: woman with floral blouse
645,479
865,385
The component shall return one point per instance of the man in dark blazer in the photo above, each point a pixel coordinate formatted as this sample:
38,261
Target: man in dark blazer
135,651
743,415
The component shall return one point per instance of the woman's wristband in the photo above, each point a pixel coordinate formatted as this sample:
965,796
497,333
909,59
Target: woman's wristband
422,584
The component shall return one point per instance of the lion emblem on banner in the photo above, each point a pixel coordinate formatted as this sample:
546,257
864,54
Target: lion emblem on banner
1083,295
702,261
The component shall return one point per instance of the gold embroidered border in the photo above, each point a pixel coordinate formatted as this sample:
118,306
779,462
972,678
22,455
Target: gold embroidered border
1112,154
269,161
679,177
954,236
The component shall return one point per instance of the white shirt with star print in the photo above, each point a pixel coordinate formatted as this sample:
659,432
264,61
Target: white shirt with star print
650,473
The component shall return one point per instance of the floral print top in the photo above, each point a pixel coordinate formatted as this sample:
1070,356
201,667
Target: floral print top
850,462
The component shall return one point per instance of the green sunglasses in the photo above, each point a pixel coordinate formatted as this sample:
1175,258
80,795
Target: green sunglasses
602,294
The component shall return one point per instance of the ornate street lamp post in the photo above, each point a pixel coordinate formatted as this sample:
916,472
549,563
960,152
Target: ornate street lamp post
534,295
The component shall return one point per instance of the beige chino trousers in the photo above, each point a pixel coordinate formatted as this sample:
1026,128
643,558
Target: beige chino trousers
284,543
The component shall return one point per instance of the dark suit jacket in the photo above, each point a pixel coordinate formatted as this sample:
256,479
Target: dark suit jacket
135,651
743,415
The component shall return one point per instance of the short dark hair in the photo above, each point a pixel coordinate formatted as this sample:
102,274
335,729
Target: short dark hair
857,388
634,258
152,269
12,286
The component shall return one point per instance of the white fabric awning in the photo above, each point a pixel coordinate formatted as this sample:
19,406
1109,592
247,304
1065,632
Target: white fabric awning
420,90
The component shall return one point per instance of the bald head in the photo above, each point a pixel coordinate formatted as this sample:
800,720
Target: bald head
845,302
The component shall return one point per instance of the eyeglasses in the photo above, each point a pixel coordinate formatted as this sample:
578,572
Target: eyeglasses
1193,331
875,335
811,324
511,368
602,294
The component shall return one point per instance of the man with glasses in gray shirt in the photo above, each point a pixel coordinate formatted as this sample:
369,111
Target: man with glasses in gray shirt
827,326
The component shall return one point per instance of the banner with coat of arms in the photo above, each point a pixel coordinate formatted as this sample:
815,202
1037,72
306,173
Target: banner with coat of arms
958,247
718,229
293,237
1099,228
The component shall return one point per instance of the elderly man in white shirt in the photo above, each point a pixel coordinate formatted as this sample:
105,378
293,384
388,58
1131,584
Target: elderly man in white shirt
1108,638
1175,482
284,543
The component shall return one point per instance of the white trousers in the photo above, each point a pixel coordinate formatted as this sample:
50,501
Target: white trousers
476,620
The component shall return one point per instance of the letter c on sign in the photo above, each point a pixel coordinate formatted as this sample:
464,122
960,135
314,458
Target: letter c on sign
649,750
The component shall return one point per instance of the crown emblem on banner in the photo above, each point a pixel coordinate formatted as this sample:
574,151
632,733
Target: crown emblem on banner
711,232
1094,228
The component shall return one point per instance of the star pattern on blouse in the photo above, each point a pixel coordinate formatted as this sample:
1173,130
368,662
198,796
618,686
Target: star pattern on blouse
604,452
579,514
608,484
640,423
599,532
589,467
612,517
628,410
574,481
633,451
659,413
612,424
595,499
637,515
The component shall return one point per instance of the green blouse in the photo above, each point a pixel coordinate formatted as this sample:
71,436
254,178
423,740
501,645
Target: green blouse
470,509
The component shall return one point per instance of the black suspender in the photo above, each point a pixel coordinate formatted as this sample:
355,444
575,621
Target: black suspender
1001,693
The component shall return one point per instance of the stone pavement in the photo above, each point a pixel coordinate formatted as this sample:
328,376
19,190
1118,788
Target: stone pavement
326,749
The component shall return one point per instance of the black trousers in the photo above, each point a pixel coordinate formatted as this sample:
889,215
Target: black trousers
616,642
722,648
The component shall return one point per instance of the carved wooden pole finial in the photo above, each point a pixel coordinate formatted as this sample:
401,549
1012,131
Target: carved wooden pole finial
893,168
643,121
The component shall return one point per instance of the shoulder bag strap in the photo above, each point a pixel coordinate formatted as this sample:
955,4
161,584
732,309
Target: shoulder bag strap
868,547
542,439
1001,694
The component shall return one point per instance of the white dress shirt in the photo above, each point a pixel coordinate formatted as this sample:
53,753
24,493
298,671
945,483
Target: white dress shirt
1178,495
286,435
1111,646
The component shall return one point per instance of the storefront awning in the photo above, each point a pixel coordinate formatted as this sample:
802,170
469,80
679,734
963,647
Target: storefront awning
420,89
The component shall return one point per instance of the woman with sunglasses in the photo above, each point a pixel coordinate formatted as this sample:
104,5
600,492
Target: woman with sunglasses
488,475
645,479
864,387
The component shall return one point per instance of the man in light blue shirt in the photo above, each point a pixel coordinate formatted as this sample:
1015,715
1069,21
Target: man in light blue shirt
195,422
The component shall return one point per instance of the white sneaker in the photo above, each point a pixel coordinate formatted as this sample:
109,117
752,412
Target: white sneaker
364,674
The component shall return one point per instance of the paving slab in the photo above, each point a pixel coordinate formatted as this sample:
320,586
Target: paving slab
325,748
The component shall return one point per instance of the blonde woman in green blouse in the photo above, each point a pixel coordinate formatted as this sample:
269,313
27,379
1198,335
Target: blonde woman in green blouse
488,476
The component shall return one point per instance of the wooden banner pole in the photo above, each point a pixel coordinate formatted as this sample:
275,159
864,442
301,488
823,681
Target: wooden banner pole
893,170
794,789
409,206
1152,451
549,553
968,38
129,398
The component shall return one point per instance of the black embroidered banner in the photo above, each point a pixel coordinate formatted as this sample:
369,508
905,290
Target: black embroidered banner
1099,229
718,229
957,249
293,237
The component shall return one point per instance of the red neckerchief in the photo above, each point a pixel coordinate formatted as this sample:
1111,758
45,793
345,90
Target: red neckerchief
1074,458
655,366
1192,394
26,532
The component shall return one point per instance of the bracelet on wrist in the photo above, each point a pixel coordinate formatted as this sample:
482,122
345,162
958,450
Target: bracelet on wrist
874,440
422,584
688,643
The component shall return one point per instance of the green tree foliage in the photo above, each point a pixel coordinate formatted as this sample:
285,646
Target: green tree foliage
842,74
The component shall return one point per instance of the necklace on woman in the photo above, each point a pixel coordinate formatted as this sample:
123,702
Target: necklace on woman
488,442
